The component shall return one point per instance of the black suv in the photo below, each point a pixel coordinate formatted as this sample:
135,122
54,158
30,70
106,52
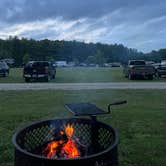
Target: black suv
39,70
4,69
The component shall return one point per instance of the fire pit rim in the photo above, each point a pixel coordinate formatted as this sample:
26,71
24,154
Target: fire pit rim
19,130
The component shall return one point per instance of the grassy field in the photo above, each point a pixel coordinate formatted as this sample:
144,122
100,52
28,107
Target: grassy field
15,76
79,74
140,123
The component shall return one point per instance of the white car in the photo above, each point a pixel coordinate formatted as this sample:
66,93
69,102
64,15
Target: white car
163,62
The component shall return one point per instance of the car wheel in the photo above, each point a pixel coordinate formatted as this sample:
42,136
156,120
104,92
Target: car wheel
53,77
27,79
5,74
150,77
131,77
47,79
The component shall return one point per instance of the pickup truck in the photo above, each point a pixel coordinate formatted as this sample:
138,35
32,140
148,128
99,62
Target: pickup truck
39,70
138,68
161,69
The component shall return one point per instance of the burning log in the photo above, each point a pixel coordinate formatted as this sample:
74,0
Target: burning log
64,145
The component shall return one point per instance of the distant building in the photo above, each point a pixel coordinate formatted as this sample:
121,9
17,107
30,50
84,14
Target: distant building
115,64
71,64
61,63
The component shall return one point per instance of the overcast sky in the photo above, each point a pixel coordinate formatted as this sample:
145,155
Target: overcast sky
139,24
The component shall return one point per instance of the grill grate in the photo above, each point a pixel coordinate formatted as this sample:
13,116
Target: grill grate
84,109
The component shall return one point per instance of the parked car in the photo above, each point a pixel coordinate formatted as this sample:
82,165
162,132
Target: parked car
4,69
161,70
115,64
163,62
138,68
156,65
39,70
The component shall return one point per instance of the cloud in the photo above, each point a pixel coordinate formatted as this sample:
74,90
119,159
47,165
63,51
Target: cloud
134,23
57,28
26,10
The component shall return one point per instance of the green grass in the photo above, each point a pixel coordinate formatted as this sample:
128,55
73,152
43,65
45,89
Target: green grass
15,76
79,74
140,123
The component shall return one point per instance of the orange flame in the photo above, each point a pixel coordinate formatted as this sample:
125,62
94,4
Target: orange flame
69,130
65,148
51,148
71,149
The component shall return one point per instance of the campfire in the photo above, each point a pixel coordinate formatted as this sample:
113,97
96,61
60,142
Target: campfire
64,145
68,141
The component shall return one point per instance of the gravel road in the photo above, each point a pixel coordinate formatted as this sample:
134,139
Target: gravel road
80,86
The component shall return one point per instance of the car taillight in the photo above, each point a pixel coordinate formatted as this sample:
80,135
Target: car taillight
46,69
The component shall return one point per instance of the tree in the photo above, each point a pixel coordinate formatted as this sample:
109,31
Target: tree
69,51
99,58
4,54
162,54
26,58
76,61
90,60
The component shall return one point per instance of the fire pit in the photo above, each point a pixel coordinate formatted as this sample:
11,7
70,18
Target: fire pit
78,141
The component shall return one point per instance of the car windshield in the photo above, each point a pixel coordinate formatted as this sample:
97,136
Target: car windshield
37,64
137,63
3,65
40,64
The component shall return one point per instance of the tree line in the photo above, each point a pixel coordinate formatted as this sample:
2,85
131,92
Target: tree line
23,50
